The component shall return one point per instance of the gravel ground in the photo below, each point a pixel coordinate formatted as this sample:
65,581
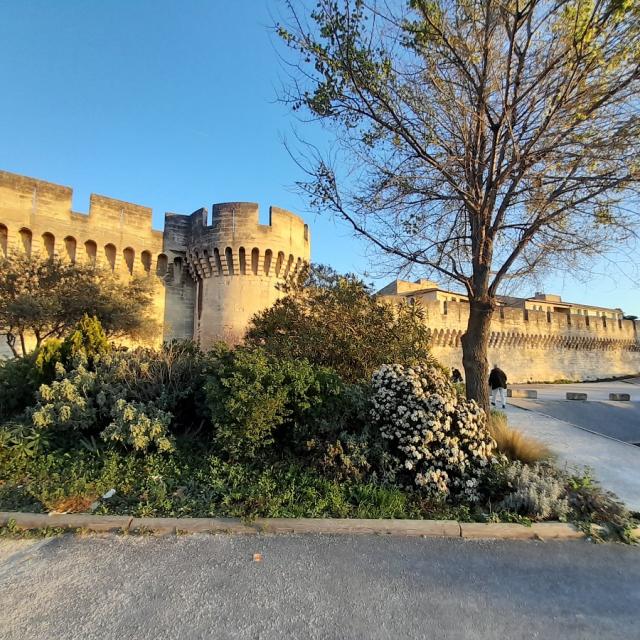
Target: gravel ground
316,587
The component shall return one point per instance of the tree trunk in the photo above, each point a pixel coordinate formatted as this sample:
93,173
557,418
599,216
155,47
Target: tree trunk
475,342
11,341
23,343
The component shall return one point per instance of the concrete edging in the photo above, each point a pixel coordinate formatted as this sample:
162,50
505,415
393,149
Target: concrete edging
419,528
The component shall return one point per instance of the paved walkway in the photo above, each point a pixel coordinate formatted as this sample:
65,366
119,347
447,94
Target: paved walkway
594,390
318,587
615,464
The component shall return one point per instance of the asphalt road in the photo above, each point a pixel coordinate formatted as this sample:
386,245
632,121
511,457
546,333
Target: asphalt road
316,587
620,420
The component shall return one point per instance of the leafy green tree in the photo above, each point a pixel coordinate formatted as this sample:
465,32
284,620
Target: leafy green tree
477,139
45,298
334,321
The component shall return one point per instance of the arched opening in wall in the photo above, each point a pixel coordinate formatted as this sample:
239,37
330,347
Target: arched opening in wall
110,255
228,254
604,320
145,258
4,241
243,261
177,269
444,308
255,258
279,263
207,263
129,257
287,269
218,260
70,245
161,265
268,255
92,250
199,298
48,244
298,265
26,239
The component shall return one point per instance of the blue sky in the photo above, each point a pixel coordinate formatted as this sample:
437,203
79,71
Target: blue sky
173,105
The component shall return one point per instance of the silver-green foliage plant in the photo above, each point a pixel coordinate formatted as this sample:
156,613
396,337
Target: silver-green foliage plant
140,426
83,400
538,491
67,403
441,440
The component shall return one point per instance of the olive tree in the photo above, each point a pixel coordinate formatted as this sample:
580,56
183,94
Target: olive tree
478,139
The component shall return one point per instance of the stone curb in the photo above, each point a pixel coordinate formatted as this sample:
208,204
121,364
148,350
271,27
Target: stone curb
405,528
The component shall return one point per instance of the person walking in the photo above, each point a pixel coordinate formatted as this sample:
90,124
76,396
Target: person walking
498,384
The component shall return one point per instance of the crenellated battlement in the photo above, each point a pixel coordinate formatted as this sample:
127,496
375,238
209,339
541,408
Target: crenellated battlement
236,244
36,217
527,327
233,222
210,278
21,194
536,345
235,264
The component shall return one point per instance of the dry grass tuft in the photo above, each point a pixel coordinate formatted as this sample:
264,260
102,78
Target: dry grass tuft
514,444
71,504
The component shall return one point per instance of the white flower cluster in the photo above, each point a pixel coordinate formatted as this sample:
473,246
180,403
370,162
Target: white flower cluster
441,440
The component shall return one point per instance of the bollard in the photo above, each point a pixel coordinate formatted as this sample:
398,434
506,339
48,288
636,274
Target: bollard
532,394
576,396
621,397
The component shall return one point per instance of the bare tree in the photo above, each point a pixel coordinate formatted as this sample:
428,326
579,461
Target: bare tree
480,139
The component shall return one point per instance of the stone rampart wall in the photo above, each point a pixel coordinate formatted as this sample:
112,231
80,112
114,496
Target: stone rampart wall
36,217
540,346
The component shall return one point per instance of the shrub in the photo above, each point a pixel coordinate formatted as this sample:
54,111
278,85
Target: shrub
334,321
128,397
440,439
253,397
537,491
513,443
140,426
18,386
171,378
42,297
592,504
67,404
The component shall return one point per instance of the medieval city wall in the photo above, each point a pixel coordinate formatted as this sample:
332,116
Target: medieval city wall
540,346
210,279
36,217
237,267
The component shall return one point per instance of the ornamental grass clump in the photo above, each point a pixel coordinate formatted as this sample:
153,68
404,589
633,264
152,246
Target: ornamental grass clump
440,439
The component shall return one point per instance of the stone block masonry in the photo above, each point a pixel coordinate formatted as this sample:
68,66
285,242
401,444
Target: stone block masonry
534,346
209,279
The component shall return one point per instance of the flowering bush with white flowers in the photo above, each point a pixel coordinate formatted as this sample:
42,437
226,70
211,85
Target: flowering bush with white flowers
441,440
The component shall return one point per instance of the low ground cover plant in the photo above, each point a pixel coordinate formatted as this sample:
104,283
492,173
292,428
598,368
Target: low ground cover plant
254,431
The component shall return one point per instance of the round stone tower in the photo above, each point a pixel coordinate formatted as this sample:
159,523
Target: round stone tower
236,264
